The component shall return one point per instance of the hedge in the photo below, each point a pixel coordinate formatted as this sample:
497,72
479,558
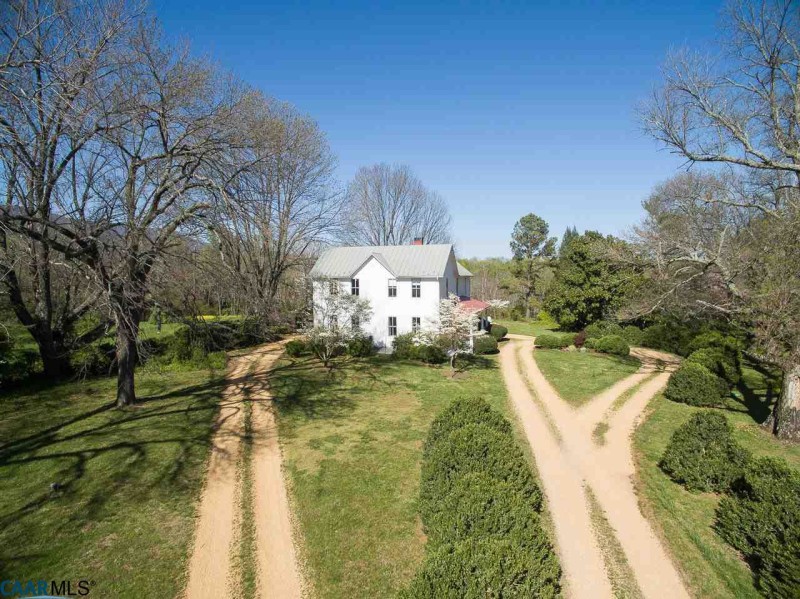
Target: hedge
475,448
479,504
554,340
702,454
695,385
761,518
297,348
477,568
404,348
485,344
612,344
718,362
360,347
498,331
601,328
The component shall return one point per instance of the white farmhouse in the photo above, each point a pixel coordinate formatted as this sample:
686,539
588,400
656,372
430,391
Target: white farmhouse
403,283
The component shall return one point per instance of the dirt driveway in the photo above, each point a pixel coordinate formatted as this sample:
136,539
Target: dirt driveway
571,463
212,573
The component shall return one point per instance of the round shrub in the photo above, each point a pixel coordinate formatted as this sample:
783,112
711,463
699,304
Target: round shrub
360,347
461,412
715,339
403,347
695,385
485,344
702,454
297,348
474,448
498,331
480,506
761,518
554,340
633,335
612,344
718,362
602,328
671,338
488,567
430,354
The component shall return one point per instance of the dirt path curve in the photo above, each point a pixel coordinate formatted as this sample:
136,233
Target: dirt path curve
211,572
607,470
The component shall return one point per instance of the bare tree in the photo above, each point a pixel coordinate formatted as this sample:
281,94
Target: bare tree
277,210
57,73
142,181
389,205
743,110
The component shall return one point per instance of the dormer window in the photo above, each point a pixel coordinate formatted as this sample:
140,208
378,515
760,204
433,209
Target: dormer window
354,287
333,287
392,287
416,288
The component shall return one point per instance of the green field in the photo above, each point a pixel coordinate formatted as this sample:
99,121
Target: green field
123,512
527,327
352,445
710,566
579,376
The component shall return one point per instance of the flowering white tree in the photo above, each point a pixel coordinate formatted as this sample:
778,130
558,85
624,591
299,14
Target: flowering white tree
453,331
338,319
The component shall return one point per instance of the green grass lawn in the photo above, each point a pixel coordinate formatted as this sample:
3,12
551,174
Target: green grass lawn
527,327
710,566
124,515
579,376
352,446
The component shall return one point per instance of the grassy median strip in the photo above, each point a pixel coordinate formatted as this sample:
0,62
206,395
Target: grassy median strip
245,561
579,376
620,573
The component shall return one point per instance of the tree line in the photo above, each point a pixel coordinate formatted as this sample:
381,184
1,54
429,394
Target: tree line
139,177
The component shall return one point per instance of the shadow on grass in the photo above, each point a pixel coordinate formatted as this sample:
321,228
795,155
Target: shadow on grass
756,394
76,466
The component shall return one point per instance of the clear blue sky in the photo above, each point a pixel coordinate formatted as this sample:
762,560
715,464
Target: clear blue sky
504,108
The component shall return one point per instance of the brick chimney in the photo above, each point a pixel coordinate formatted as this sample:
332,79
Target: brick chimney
418,241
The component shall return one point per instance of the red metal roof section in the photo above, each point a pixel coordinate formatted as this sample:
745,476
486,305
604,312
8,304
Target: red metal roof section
473,305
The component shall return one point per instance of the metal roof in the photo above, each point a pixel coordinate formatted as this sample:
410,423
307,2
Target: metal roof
462,270
403,261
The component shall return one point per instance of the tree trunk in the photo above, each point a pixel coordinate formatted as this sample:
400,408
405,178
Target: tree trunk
786,417
127,334
55,358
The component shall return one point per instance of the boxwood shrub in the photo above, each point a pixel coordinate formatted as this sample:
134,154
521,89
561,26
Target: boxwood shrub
702,454
720,363
475,448
761,518
297,348
480,507
601,328
695,385
633,335
360,347
485,344
486,567
554,340
612,344
498,331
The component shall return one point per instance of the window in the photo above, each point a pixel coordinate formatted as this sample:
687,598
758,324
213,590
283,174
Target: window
447,287
392,287
333,287
416,289
354,286
355,321
392,326
416,322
